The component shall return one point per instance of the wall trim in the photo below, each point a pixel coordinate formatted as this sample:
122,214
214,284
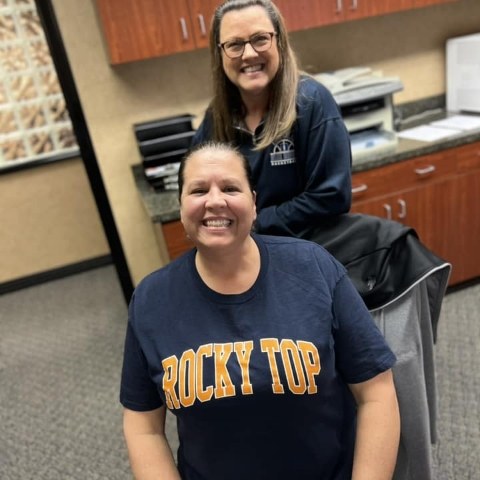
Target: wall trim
55,274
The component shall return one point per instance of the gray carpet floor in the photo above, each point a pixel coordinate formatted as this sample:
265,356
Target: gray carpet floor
60,356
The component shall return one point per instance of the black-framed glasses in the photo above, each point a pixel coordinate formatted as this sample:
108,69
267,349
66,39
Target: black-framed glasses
260,42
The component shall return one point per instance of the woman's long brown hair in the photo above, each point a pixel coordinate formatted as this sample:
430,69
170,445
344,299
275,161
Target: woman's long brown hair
227,107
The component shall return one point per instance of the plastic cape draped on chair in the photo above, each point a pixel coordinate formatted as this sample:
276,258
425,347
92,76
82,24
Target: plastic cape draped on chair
403,284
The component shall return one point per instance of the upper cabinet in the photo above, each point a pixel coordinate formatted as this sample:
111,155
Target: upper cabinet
141,29
380,7
201,12
304,14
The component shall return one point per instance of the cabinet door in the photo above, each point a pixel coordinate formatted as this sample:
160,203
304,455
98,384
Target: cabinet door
355,9
201,13
381,7
432,211
469,209
382,207
469,228
140,29
304,14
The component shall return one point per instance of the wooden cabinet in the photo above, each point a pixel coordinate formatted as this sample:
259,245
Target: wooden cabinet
381,7
354,9
304,14
141,29
468,160
345,10
201,13
438,195
175,239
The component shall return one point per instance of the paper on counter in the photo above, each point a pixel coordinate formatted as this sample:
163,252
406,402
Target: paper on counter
427,133
458,122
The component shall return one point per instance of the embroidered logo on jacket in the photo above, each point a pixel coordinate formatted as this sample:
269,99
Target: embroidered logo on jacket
283,153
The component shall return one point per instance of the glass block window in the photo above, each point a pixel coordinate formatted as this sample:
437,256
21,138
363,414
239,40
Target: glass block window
34,121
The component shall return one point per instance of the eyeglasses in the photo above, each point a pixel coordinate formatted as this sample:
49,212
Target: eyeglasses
260,42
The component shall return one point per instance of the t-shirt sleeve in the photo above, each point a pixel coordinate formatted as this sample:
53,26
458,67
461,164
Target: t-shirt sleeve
137,390
360,348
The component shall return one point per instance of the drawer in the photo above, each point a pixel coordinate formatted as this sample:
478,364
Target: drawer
403,175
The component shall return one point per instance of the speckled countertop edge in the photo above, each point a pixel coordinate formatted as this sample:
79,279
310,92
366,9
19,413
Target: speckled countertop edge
163,207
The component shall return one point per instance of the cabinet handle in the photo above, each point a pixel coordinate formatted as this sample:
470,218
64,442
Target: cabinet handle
354,5
388,211
403,208
339,6
201,22
361,188
425,171
183,24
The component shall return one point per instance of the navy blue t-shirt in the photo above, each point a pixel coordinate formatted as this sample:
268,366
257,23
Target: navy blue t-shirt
258,381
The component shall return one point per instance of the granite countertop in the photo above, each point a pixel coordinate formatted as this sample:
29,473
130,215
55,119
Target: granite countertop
163,207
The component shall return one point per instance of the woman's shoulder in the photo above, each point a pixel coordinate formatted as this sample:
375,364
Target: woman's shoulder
301,255
309,85
314,95
205,129
171,275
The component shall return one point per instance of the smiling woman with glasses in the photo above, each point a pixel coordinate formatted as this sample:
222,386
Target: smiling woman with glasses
260,42
285,123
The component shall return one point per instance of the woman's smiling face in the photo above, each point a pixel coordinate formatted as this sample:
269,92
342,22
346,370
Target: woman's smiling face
252,72
217,205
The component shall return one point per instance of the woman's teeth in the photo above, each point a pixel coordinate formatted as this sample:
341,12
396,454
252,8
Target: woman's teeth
217,223
253,68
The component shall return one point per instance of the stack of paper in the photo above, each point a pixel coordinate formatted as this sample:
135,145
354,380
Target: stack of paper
459,122
441,128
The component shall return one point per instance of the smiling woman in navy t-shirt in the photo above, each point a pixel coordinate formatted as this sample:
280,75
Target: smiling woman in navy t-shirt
259,345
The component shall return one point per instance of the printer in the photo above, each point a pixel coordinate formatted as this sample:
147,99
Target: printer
365,99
